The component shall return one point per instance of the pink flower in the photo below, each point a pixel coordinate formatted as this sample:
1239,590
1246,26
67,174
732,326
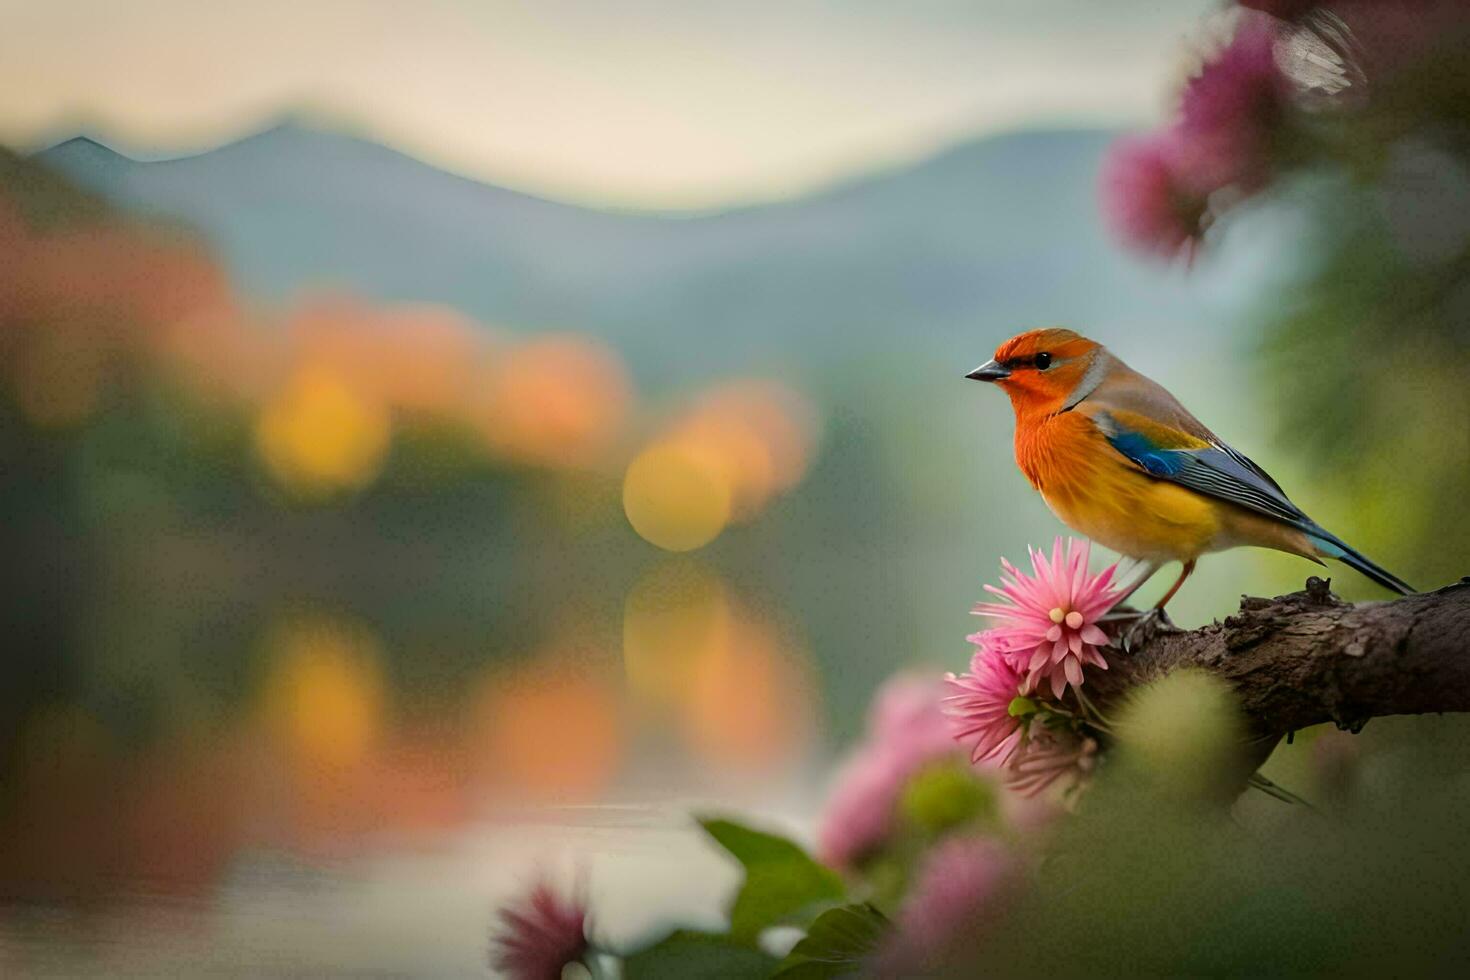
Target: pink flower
979,707
542,935
962,884
1048,621
905,715
1048,756
907,731
1231,110
1146,201
858,815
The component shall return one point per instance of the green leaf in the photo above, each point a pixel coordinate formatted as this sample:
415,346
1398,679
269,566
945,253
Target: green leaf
1021,707
782,882
837,944
943,797
690,955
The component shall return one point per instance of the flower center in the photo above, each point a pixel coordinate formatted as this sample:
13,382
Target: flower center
1072,618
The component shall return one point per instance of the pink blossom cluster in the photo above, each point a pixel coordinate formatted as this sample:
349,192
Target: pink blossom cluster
1233,129
907,732
1010,708
1157,189
960,888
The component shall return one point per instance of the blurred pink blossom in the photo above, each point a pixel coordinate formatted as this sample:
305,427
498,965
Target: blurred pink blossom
1049,756
905,714
1047,624
540,936
907,731
962,884
979,707
1231,111
1145,201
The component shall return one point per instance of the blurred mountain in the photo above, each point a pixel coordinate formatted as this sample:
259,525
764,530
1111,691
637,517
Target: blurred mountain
989,236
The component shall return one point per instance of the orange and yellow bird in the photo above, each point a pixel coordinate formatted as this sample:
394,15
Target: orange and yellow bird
1119,460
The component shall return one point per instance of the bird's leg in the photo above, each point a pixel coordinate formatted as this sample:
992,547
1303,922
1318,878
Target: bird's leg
1184,573
1155,620
1118,614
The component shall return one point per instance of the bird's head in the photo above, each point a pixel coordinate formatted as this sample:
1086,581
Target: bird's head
1040,369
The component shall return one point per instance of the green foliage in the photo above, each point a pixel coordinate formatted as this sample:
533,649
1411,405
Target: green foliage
1182,736
783,885
1365,358
836,944
1140,882
690,955
942,798
782,882
1021,707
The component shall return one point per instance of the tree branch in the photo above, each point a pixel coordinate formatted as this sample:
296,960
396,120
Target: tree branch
1308,657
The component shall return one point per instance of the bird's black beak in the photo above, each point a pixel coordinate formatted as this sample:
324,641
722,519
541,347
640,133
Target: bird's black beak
990,371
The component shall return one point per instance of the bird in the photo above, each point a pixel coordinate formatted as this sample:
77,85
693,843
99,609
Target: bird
1119,460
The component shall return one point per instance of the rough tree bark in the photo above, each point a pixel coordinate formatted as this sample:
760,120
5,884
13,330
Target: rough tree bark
1308,657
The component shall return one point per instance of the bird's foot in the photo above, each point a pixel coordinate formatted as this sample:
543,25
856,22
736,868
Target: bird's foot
1142,627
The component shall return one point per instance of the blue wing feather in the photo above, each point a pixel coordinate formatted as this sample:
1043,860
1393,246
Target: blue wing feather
1215,471
1137,447
1218,471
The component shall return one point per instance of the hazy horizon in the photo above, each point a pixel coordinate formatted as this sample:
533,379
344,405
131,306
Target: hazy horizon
863,170
654,105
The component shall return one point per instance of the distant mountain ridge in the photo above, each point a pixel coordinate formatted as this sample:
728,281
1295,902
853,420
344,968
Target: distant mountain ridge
998,233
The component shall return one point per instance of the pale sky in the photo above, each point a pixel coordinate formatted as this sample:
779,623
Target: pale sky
640,103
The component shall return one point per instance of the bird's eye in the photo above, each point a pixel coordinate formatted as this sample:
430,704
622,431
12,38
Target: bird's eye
1043,361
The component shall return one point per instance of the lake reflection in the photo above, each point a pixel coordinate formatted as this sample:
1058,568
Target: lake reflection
333,820
409,904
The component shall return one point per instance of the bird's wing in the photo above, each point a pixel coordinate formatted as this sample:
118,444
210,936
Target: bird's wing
1204,464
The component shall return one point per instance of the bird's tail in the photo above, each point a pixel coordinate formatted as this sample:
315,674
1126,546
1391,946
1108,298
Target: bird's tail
1332,546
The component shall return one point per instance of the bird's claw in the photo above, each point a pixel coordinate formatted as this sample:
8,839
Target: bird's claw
1145,626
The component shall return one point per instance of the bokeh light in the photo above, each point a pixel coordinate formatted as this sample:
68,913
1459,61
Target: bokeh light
675,616
675,497
549,730
319,436
430,358
766,414
721,461
749,704
324,696
708,666
555,400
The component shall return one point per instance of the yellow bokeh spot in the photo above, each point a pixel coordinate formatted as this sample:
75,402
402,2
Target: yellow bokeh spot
675,498
325,694
785,423
674,617
320,436
730,446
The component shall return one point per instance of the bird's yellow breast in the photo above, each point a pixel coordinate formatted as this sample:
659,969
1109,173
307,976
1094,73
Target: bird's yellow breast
1097,492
